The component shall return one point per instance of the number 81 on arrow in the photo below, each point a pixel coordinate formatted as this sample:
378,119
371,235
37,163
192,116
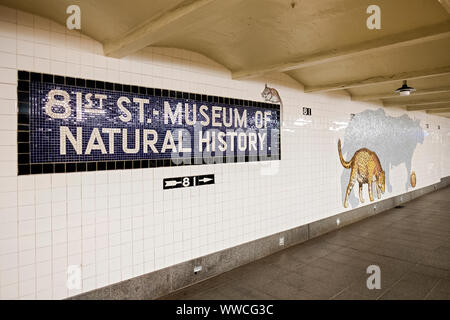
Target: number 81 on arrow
191,181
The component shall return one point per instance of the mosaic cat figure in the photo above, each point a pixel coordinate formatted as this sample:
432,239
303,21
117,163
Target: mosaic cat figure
366,168
272,95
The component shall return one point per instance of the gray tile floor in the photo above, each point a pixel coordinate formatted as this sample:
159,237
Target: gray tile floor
411,245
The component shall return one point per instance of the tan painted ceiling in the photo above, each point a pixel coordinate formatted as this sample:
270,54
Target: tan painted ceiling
101,20
323,44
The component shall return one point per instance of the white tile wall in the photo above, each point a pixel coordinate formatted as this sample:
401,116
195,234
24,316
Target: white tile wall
120,224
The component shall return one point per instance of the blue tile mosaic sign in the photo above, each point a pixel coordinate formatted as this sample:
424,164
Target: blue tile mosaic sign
78,121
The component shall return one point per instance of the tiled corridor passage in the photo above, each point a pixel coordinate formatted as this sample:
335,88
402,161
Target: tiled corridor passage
411,245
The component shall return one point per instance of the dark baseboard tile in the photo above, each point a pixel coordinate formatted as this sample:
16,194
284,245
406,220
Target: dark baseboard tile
162,282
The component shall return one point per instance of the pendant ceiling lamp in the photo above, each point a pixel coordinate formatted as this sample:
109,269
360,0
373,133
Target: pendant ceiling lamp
404,90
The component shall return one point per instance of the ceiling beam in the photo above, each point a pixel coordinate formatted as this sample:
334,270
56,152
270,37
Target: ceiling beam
421,102
148,32
420,74
414,37
393,94
443,110
428,107
445,4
